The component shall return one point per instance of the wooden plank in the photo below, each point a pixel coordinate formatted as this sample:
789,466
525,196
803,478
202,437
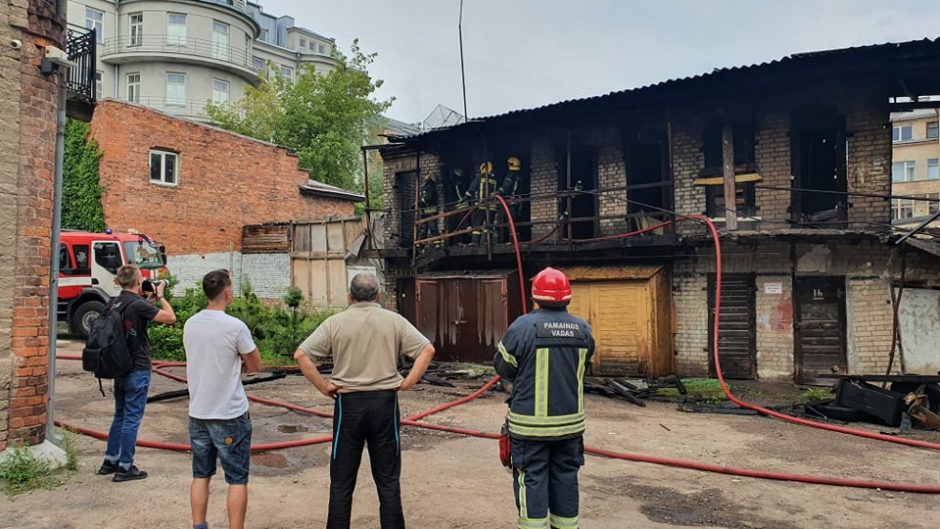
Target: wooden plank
727,159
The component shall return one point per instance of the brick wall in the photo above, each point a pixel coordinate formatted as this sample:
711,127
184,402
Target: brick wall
27,167
611,173
772,153
868,146
544,182
690,299
774,321
869,325
225,181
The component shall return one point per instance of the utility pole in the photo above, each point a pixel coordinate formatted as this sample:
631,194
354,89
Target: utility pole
463,76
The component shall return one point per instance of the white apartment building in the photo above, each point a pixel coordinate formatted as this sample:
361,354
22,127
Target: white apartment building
178,55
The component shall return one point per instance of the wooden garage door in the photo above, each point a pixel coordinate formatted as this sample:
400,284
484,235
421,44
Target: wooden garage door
619,314
737,338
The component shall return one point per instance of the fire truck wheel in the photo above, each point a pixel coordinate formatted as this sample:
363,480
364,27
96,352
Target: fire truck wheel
84,315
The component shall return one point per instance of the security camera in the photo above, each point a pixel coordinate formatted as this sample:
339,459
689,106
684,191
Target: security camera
16,44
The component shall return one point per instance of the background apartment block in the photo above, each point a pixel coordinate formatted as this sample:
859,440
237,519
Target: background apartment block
914,169
179,55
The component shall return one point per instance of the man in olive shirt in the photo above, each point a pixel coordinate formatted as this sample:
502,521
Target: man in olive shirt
365,341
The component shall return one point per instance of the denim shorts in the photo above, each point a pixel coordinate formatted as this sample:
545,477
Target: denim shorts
228,440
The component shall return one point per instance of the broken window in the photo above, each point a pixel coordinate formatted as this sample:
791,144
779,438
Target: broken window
745,200
818,161
581,208
649,187
742,131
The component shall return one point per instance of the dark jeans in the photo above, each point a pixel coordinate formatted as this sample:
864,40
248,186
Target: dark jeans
367,417
229,441
130,399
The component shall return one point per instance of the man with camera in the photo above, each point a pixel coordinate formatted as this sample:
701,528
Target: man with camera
130,392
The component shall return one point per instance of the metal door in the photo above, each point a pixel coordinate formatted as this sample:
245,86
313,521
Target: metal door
737,336
820,328
464,318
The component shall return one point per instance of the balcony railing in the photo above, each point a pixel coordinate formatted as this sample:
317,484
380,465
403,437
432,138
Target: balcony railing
190,108
80,47
190,46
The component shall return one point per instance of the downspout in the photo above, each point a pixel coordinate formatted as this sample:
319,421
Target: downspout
51,434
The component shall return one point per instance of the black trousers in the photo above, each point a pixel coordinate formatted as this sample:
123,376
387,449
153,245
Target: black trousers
367,417
545,482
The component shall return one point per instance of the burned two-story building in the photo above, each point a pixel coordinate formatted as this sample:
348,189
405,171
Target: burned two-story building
791,159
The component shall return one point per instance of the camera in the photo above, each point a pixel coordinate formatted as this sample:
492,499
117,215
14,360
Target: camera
151,285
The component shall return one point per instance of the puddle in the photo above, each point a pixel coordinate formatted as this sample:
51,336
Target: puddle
270,460
292,428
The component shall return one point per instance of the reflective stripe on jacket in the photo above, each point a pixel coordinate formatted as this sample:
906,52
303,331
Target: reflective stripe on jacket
544,354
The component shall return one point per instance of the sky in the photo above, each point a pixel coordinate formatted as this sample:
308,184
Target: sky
528,53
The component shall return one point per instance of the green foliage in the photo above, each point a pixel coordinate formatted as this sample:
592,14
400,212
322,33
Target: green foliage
69,444
705,389
323,117
294,297
22,471
817,394
81,192
276,330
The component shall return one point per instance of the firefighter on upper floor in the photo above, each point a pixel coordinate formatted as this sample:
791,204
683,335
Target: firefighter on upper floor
428,207
509,189
544,355
480,191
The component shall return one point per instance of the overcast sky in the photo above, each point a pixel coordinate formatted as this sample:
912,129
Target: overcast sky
526,53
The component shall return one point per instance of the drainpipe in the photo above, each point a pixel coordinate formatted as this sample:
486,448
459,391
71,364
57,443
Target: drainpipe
51,434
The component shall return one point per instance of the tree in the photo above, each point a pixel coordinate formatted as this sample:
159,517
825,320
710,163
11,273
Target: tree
322,117
81,191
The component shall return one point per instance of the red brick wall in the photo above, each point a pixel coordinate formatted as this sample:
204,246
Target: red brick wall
225,181
27,149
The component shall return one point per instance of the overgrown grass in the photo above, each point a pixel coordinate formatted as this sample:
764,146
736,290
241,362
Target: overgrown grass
703,389
22,472
817,394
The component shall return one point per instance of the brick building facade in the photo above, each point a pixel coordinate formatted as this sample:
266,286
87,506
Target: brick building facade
810,268
28,106
193,187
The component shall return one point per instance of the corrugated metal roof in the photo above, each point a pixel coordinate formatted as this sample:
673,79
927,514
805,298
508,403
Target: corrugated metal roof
796,59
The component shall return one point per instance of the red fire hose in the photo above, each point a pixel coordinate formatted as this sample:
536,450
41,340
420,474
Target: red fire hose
414,420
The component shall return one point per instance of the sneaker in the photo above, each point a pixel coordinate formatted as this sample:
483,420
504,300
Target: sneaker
130,474
107,468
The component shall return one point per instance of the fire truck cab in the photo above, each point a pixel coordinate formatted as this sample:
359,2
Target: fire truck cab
88,264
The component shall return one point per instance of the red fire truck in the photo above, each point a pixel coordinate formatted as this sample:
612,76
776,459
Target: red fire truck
88,263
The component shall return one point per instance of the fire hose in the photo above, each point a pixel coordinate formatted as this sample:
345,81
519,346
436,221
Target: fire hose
414,421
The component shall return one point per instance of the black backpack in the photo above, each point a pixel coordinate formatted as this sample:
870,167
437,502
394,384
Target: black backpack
106,353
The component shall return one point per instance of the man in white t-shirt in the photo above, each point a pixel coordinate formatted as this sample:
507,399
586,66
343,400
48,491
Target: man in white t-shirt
219,348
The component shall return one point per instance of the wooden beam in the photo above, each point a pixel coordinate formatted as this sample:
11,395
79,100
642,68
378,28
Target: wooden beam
731,194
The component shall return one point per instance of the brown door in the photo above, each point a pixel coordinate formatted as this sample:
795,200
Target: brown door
737,341
820,328
464,318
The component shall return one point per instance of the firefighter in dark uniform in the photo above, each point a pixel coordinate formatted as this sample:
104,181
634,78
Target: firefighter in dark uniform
508,189
544,355
427,205
481,189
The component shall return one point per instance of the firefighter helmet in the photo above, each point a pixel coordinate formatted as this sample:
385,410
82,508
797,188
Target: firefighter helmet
486,168
551,286
514,163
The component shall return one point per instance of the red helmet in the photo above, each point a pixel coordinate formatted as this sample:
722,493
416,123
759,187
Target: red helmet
551,286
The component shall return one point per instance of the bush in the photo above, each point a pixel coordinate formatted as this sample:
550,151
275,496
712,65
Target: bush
277,331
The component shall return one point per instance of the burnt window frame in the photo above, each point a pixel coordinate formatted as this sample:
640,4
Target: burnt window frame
715,192
744,134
